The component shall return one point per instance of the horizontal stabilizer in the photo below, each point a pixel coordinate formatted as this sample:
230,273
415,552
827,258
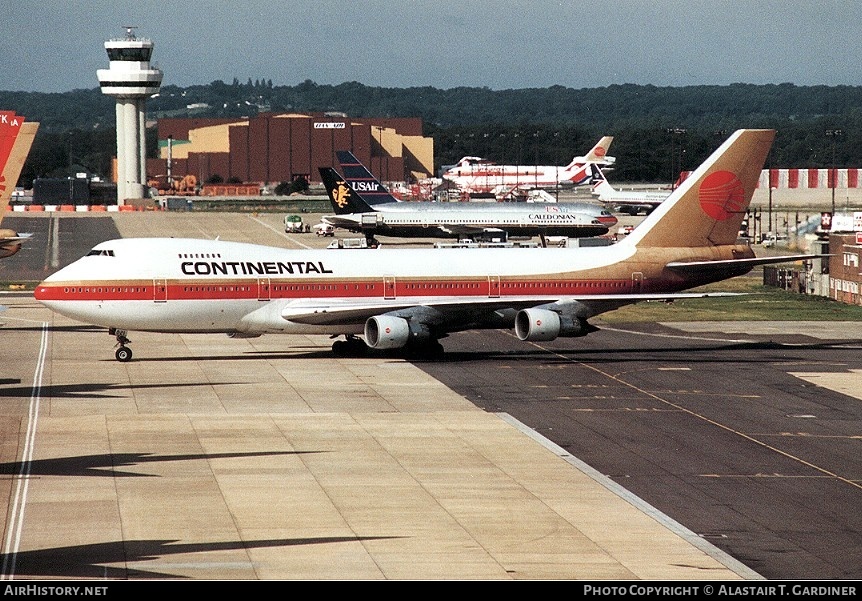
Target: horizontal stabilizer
701,266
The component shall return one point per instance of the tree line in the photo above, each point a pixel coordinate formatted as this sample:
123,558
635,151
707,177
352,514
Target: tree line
658,131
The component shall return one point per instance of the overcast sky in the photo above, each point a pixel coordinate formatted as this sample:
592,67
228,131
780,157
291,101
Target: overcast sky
57,45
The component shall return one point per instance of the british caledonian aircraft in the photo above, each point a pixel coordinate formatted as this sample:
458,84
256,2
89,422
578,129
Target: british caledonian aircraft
478,175
374,193
410,298
371,212
16,138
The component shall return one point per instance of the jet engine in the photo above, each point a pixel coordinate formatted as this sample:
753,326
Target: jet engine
537,325
390,331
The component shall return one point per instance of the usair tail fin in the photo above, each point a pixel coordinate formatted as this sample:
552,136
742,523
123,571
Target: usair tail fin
709,206
362,181
342,198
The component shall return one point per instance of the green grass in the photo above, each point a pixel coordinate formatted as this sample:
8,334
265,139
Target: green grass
759,303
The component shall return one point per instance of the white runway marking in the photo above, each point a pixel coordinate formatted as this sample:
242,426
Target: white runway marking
16,515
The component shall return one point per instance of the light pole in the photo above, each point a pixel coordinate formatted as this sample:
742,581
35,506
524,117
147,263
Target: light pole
769,231
674,175
833,133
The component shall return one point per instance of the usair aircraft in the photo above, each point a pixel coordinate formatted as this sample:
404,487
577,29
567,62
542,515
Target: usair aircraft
471,220
411,298
500,216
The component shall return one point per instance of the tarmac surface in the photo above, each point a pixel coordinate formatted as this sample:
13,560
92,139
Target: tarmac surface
654,455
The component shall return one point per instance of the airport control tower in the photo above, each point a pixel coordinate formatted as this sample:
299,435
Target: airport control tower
131,81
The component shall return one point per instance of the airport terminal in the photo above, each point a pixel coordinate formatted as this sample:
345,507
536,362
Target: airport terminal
241,443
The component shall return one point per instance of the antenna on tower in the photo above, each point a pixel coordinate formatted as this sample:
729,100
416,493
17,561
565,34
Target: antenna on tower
130,31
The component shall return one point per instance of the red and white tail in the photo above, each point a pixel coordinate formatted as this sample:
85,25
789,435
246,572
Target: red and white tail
597,154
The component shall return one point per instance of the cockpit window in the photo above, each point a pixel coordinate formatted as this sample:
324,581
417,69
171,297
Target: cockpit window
100,253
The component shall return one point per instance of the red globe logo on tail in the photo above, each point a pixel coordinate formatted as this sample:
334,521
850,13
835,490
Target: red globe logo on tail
600,152
721,195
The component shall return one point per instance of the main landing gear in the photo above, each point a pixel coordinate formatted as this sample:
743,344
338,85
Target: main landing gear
351,347
124,353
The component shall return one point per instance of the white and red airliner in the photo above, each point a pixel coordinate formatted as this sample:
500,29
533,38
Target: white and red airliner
478,175
411,298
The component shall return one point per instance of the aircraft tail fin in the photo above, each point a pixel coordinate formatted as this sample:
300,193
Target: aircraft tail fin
599,152
596,176
362,181
342,197
709,206
16,139
602,187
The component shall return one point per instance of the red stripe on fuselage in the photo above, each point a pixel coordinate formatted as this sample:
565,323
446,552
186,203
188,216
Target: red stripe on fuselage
269,289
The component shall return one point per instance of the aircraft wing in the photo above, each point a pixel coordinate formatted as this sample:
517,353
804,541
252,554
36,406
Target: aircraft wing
456,229
18,238
347,312
311,312
342,221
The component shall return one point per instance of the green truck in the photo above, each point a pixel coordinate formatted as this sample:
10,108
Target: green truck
293,225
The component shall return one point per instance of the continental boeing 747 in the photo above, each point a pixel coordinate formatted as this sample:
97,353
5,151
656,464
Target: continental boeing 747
411,298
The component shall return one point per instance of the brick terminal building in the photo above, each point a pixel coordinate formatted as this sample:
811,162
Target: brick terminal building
271,148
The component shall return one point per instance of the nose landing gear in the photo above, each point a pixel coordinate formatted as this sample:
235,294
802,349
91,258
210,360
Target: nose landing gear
124,353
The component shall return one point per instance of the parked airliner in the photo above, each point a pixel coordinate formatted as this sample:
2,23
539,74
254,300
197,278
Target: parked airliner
16,138
411,298
362,204
626,201
374,193
478,175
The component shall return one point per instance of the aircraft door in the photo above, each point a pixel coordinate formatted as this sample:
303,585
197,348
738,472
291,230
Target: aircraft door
493,286
637,281
389,287
160,291
263,293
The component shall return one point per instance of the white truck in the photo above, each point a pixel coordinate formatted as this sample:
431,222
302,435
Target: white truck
324,229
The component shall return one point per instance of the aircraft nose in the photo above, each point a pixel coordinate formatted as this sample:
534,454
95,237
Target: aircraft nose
42,292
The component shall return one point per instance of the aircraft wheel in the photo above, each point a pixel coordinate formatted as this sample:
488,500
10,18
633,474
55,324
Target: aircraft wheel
123,354
352,347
